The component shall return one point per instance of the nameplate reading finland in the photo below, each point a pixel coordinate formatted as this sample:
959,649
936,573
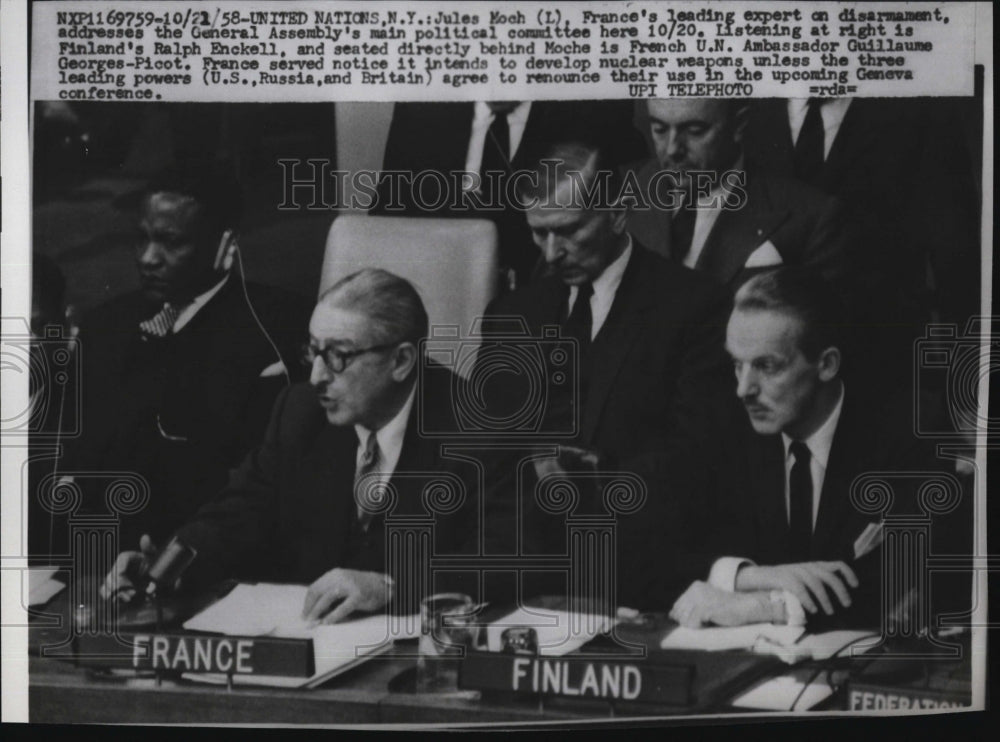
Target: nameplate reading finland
609,680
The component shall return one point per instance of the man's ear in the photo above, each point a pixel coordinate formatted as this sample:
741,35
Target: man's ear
618,219
404,359
829,364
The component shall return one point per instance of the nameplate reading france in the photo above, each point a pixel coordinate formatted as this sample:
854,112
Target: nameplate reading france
578,677
237,655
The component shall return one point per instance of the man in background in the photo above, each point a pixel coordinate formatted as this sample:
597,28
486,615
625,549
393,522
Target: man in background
178,377
488,142
744,221
651,379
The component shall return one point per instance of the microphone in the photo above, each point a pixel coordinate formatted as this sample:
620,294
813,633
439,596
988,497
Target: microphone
169,567
161,576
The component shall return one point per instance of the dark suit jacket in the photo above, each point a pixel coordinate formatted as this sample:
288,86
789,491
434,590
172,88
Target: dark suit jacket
435,136
288,513
904,170
658,382
803,224
751,516
181,410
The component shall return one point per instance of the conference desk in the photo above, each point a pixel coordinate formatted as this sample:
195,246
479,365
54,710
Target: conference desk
375,692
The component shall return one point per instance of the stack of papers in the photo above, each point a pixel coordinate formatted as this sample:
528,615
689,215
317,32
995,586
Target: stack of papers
276,610
42,586
719,638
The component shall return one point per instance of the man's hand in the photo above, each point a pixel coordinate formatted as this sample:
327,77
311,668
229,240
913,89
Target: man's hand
703,604
807,581
129,570
358,591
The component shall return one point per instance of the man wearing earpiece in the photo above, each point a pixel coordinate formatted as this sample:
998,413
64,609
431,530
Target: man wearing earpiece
179,376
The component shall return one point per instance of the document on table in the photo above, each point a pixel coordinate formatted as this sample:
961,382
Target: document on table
782,692
275,610
42,585
718,638
559,632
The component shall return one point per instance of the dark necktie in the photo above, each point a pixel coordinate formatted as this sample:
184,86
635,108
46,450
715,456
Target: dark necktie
366,491
496,148
809,147
800,499
580,322
682,231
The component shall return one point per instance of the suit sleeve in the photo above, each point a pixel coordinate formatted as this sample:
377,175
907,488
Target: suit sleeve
228,530
703,397
829,244
398,148
677,515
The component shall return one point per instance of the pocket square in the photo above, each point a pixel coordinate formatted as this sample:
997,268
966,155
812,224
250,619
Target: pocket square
764,256
870,539
275,369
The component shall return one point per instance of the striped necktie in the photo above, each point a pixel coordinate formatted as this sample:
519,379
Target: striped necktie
367,492
160,324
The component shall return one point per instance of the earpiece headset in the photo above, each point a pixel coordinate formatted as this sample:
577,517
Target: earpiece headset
225,256
226,253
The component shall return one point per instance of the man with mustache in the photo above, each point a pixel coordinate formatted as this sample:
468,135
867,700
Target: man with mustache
179,376
342,455
651,377
708,212
785,509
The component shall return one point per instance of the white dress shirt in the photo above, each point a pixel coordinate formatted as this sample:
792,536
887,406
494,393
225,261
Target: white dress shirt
832,112
517,119
605,287
724,569
390,440
819,444
705,217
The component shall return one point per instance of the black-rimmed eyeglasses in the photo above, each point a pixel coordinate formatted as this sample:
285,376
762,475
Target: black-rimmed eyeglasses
337,360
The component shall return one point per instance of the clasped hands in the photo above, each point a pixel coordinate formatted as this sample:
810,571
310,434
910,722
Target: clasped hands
331,598
813,584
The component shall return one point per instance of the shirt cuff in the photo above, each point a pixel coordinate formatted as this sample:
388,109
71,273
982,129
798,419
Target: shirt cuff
723,572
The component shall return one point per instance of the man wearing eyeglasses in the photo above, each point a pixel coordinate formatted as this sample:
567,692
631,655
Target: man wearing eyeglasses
342,460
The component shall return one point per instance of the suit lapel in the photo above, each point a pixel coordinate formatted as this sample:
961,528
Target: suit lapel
855,136
651,226
620,331
832,535
738,232
768,466
327,482
774,129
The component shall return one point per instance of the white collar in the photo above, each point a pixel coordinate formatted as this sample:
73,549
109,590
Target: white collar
610,279
390,436
820,442
189,311
518,114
